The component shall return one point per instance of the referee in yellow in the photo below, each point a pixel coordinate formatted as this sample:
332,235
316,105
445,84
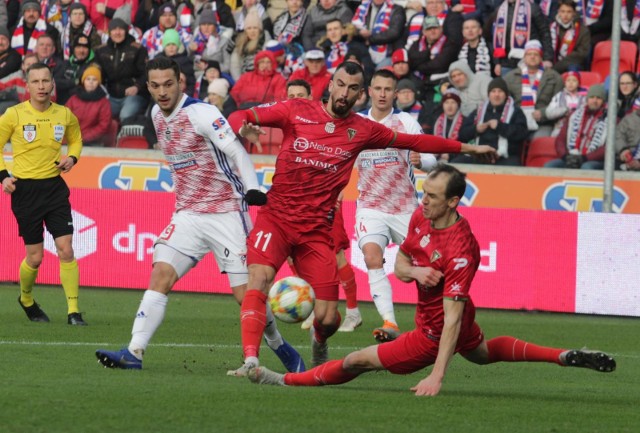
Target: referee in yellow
39,195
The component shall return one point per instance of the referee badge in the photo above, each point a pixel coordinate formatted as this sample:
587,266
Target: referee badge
58,132
29,132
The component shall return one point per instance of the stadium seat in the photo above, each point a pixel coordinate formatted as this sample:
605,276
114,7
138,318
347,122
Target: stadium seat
589,78
112,132
601,60
540,151
271,141
133,142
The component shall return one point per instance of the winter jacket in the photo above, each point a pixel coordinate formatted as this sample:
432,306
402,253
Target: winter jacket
123,66
259,87
318,82
102,21
10,62
433,69
68,78
576,58
476,90
317,18
89,108
628,132
550,84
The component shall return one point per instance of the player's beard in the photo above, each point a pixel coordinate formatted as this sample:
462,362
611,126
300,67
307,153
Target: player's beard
342,110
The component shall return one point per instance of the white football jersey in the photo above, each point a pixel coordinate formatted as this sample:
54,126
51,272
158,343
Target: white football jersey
210,168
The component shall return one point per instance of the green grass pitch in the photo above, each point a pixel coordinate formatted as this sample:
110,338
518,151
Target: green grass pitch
51,382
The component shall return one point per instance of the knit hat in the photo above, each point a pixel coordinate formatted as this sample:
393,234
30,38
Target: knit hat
118,23
80,6
597,91
430,22
498,83
275,47
208,17
406,83
400,56
4,32
252,19
452,93
171,36
213,64
575,74
167,7
93,71
29,4
219,86
81,40
534,45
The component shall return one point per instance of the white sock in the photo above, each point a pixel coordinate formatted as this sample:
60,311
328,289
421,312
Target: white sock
148,318
353,312
271,334
380,288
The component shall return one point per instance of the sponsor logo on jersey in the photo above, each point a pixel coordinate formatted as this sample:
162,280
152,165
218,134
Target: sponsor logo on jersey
29,132
582,196
302,119
218,123
389,160
330,127
318,164
435,255
58,132
455,287
180,157
460,262
185,166
304,145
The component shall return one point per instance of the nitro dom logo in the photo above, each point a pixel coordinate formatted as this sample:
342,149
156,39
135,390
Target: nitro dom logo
470,193
137,176
581,196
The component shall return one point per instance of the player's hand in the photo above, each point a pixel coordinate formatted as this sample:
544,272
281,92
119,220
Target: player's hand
429,386
8,185
254,197
65,164
252,133
414,158
427,276
484,153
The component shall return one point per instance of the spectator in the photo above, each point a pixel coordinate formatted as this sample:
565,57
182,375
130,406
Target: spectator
598,16
628,142
448,124
209,71
78,24
581,141
101,12
248,43
13,87
30,27
261,85
334,44
628,94
472,88
532,87
45,52
240,15
287,27
10,59
449,19
570,40
510,37
218,95
89,103
400,66
565,102
498,123
315,73
57,13
380,25
208,43
416,12
167,19
319,15
71,72
475,49
630,21
280,54
406,98
123,68
173,49
221,10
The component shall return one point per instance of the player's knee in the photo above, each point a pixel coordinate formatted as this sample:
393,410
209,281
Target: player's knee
65,254
163,277
259,278
34,259
357,361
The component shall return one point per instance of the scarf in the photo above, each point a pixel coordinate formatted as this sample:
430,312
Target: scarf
570,101
66,37
415,29
440,128
520,30
94,95
507,113
336,56
413,110
530,95
483,58
586,131
380,24
17,40
288,28
630,27
434,50
590,11
564,47
545,6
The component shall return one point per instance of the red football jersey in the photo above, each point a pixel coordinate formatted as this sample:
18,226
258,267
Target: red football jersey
318,153
454,251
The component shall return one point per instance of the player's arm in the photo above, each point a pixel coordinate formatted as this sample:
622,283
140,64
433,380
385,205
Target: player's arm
422,161
426,143
405,271
247,123
453,312
7,124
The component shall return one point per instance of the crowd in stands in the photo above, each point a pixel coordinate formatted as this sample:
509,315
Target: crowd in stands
498,72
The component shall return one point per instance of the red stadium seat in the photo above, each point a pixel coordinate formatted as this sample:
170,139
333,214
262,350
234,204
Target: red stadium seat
540,151
133,142
601,61
112,132
589,78
271,141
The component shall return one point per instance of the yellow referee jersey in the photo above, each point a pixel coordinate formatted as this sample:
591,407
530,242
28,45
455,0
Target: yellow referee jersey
36,138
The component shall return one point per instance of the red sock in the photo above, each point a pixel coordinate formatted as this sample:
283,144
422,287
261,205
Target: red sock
253,319
329,373
510,349
348,282
322,332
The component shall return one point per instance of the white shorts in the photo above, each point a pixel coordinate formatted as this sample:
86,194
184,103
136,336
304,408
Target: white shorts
223,234
380,227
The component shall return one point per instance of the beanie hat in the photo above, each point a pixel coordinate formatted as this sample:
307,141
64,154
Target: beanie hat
534,45
219,86
597,91
452,93
118,23
171,36
498,83
4,32
167,7
93,71
400,56
208,17
252,19
406,83
275,47
29,4
575,74
85,41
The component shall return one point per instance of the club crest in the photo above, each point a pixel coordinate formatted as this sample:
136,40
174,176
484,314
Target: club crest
330,127
351,133
435,255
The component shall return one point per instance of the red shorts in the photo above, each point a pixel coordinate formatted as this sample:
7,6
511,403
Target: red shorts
338,233
413,350
272,240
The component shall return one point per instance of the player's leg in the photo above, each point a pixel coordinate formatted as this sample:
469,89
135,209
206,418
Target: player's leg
28,274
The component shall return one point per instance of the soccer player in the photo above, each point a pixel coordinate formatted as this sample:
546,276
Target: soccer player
215,181
320,145
387,196
441,255
302,89
39,195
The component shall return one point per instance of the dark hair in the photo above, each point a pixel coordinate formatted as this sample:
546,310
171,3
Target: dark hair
301,83
38,65
163,63
569,3
385,73
457,183
476,19
351,68
334,20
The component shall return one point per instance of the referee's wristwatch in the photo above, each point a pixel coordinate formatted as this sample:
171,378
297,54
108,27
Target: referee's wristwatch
75,160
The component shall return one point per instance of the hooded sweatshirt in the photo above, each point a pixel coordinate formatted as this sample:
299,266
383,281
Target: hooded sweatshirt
476,90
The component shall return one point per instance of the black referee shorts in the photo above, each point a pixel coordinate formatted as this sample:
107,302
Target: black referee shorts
38,202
